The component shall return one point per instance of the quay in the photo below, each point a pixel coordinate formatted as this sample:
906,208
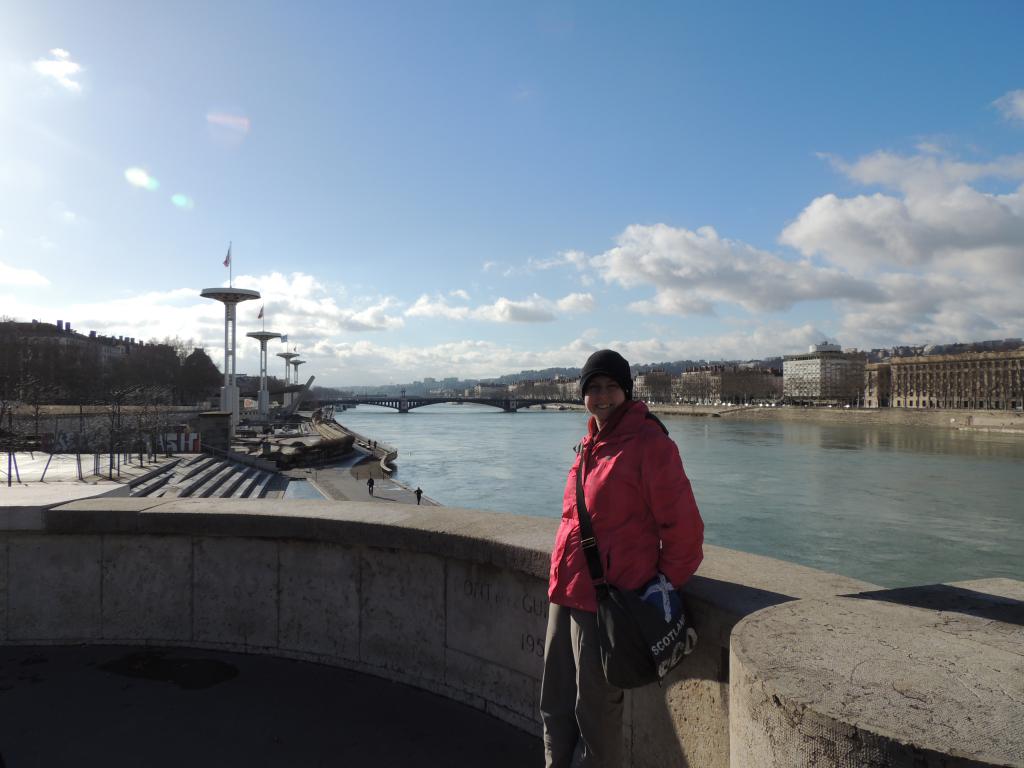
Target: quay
795,667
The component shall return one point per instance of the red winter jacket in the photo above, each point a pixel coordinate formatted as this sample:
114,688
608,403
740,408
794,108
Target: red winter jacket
638,495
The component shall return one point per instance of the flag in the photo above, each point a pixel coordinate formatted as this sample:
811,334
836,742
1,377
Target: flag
260,315
227,259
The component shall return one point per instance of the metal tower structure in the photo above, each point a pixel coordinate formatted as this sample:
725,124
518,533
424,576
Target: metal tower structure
297,363
286,397
230,298
264,397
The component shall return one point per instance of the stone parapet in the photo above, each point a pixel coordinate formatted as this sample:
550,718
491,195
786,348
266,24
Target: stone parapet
446,599
930,676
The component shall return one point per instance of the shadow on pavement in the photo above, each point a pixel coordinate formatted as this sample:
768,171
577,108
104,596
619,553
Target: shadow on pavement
118,706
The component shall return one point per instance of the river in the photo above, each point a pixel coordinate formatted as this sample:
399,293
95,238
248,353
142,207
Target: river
894,506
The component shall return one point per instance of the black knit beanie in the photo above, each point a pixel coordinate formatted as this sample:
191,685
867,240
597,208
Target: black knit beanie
609,363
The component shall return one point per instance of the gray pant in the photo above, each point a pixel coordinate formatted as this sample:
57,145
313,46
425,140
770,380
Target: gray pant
581,711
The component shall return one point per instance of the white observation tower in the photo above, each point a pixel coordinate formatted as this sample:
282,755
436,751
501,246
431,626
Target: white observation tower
286,397
264,397
230,298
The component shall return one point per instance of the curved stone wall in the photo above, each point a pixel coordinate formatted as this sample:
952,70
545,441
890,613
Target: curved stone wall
449,600
920,677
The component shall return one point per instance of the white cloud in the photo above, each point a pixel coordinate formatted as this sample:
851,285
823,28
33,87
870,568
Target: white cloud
438,307
758,342
947,256
60,68
924,173
459,294
301,302
576,302
295,304
691,272
365,362
10,276
575,259
372,318
1011,104
533,309
936,219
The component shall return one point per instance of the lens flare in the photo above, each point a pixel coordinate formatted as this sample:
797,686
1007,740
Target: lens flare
239,123
183,201
139,177
227,127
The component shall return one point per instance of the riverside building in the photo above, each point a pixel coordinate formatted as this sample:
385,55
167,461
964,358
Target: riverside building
972,380
728,383
653,387
826,375
877,385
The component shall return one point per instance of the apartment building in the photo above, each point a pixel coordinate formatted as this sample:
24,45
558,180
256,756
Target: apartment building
975,380
825,375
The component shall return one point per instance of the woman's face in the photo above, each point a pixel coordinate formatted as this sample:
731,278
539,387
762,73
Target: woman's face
603,396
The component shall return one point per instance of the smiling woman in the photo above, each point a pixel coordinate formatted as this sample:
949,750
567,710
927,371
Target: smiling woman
628,491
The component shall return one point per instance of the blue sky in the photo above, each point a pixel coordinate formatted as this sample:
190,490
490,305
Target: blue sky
475,188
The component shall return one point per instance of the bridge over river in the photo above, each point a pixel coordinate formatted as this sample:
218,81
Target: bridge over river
404,403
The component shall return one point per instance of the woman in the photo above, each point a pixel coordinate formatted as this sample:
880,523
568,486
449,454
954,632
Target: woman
645,521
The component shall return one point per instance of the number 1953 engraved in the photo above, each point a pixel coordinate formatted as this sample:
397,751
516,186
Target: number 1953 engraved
531,644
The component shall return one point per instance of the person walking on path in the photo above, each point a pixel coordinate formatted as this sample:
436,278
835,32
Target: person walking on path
369,486
419,495
645,521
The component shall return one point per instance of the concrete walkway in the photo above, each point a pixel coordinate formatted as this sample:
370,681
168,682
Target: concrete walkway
116,706
349,484
47,481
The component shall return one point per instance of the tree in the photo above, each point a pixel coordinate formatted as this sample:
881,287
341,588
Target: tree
155,369
199,377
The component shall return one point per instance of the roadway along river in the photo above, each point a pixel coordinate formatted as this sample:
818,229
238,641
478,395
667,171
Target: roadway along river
893,506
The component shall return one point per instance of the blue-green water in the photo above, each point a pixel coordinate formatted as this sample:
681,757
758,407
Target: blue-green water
890,505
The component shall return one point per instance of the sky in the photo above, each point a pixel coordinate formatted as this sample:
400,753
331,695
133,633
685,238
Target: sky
476,188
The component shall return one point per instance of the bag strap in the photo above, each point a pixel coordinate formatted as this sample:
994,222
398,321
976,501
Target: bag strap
587,539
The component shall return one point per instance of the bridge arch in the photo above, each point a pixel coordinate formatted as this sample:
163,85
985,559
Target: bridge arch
406,404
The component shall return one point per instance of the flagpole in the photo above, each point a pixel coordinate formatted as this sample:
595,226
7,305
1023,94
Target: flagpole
231,268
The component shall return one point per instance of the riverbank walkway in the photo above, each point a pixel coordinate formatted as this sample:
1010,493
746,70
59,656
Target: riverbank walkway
349,484
46,481
119,706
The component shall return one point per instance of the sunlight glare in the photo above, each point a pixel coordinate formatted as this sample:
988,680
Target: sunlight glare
139,177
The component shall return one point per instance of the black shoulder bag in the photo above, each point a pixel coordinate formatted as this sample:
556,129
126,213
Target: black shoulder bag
638,646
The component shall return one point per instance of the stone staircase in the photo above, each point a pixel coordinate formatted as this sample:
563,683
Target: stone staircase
203,476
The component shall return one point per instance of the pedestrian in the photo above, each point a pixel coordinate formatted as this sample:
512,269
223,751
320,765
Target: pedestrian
369,486
645,521
419,495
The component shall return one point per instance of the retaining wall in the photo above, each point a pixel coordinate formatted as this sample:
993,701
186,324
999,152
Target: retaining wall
449,600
